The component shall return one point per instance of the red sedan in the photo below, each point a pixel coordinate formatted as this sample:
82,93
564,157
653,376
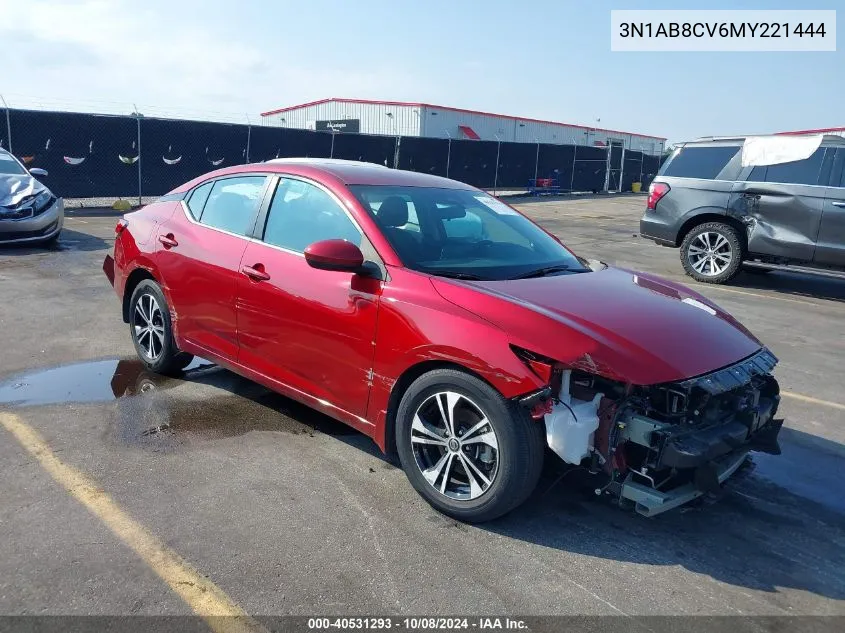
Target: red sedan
449,328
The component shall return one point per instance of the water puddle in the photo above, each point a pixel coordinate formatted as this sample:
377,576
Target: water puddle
204,402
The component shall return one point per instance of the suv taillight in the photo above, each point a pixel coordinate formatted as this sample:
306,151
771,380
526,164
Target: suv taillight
121,226
655,192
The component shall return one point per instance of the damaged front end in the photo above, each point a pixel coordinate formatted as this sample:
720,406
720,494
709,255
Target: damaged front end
661,446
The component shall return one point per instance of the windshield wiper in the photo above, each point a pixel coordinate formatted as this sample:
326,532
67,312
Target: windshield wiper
542,272
456,274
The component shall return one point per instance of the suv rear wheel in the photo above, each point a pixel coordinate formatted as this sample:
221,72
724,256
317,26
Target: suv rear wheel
712,252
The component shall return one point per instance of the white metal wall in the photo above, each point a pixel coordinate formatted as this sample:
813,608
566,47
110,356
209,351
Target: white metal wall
440,123
375,118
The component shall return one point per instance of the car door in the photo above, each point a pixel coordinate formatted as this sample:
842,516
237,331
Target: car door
830,249
782,205
308,329
199,256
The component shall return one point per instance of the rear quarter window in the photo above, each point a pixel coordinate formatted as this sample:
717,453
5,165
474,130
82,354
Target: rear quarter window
698,162
197,200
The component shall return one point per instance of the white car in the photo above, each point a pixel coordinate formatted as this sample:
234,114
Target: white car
29,212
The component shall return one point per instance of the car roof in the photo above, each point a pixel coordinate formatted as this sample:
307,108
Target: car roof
348,172
829,139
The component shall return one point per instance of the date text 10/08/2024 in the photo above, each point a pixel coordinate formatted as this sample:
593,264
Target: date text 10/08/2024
417,623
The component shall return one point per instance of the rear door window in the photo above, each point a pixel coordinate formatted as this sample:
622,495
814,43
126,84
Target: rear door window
232,204
697,161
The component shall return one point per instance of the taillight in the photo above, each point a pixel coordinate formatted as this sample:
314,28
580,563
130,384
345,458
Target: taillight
121,226
655,192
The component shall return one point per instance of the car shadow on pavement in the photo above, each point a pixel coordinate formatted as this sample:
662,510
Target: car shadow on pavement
781,525
789,283
778,524
68,240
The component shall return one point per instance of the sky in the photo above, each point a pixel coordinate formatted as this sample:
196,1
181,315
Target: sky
546,59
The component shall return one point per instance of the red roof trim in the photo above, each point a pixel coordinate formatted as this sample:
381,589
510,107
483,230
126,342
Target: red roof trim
818,131
451,109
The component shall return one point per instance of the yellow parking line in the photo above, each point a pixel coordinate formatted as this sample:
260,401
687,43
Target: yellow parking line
824,403
205,599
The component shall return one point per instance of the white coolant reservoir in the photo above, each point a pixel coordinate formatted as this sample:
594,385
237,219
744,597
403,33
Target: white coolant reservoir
571,426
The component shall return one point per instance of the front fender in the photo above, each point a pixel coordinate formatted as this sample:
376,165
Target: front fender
416,325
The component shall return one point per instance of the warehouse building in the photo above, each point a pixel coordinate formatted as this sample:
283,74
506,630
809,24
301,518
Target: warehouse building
396,118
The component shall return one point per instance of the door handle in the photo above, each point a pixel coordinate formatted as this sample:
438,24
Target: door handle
168,240
838,204
256,273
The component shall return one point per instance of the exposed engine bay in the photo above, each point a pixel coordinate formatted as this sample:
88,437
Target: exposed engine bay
660,446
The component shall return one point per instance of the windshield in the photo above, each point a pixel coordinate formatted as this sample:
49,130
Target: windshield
463,233
8,165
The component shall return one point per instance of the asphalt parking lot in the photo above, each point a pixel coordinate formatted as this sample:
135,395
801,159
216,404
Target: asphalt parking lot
286,512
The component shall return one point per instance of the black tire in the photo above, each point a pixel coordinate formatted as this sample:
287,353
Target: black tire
716,231
520,440
165,357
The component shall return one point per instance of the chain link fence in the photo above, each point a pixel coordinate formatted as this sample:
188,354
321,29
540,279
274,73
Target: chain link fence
135,156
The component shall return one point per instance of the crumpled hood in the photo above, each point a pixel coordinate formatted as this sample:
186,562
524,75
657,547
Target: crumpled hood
620,324
16,187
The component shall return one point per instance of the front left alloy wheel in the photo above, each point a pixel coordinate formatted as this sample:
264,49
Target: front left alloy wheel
471,453
152,332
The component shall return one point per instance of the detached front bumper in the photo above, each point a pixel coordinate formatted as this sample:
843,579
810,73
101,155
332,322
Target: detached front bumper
649,501
36,228
702,460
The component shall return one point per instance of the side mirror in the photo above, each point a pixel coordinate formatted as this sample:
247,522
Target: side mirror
37,171
337,255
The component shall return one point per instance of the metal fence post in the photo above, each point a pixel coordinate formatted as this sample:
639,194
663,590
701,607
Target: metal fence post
621,170
496,176
536,163
642,158
248,136
398,147
331,151
572,177
8,123
140,158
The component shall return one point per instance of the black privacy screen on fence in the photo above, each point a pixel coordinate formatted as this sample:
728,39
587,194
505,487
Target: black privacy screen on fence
177,151
85,155
273,142
92,155
425,155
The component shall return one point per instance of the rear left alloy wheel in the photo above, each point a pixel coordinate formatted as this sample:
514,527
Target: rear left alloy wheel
472,454
712,252
152,332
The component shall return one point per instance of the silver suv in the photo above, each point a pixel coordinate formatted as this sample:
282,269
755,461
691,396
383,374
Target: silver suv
723,215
